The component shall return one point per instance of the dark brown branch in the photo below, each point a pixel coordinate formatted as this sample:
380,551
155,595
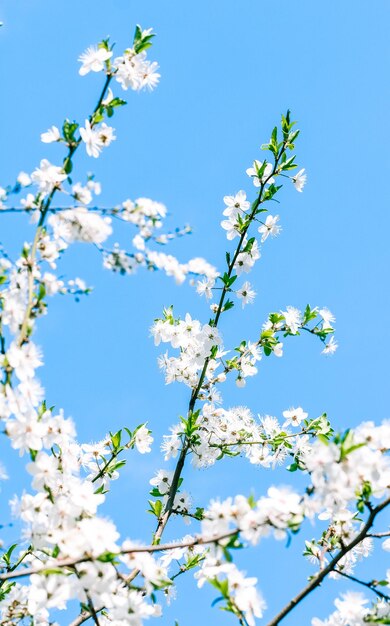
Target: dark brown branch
371,585
317,580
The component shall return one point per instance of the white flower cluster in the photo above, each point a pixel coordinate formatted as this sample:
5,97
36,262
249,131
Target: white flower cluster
80,225
48,176
60,517
275,513
134,71
144,213
346,475
282,509
342,469
185,336
236,206
148,215
15,294
352,610
94,582
131,70
240,592
161,484
96,137
264,442
122,262
240,213
195,341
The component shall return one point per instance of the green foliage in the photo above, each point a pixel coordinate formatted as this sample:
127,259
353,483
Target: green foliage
68,132
156,507
141,41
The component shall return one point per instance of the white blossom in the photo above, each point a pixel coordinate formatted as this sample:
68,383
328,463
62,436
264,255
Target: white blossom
48,176
52,135
143,440
93,60
246,294
299,180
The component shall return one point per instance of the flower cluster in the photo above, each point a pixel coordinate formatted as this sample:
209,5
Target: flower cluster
132,70
352,610
195,342
281,510
263,441
353,467
238,592
69,481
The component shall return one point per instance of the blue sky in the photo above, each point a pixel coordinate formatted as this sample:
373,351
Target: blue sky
228,70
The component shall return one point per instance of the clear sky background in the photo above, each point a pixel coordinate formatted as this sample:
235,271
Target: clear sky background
228,70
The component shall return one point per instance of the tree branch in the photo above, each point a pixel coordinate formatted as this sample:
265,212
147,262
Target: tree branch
371,586
195,393
83,617
317,580
72,147
197,541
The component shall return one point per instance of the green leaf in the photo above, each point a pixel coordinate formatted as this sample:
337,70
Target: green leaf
141,42
107,557
69,130
323,439
117,102
116,466
100,489
355,447
41,291
52,570
199,513
116,439
229,304
7,555
155,507
193,561
55,552
249,244
6,588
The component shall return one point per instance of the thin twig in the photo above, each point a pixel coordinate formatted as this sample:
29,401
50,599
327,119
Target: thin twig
379,535
371,586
